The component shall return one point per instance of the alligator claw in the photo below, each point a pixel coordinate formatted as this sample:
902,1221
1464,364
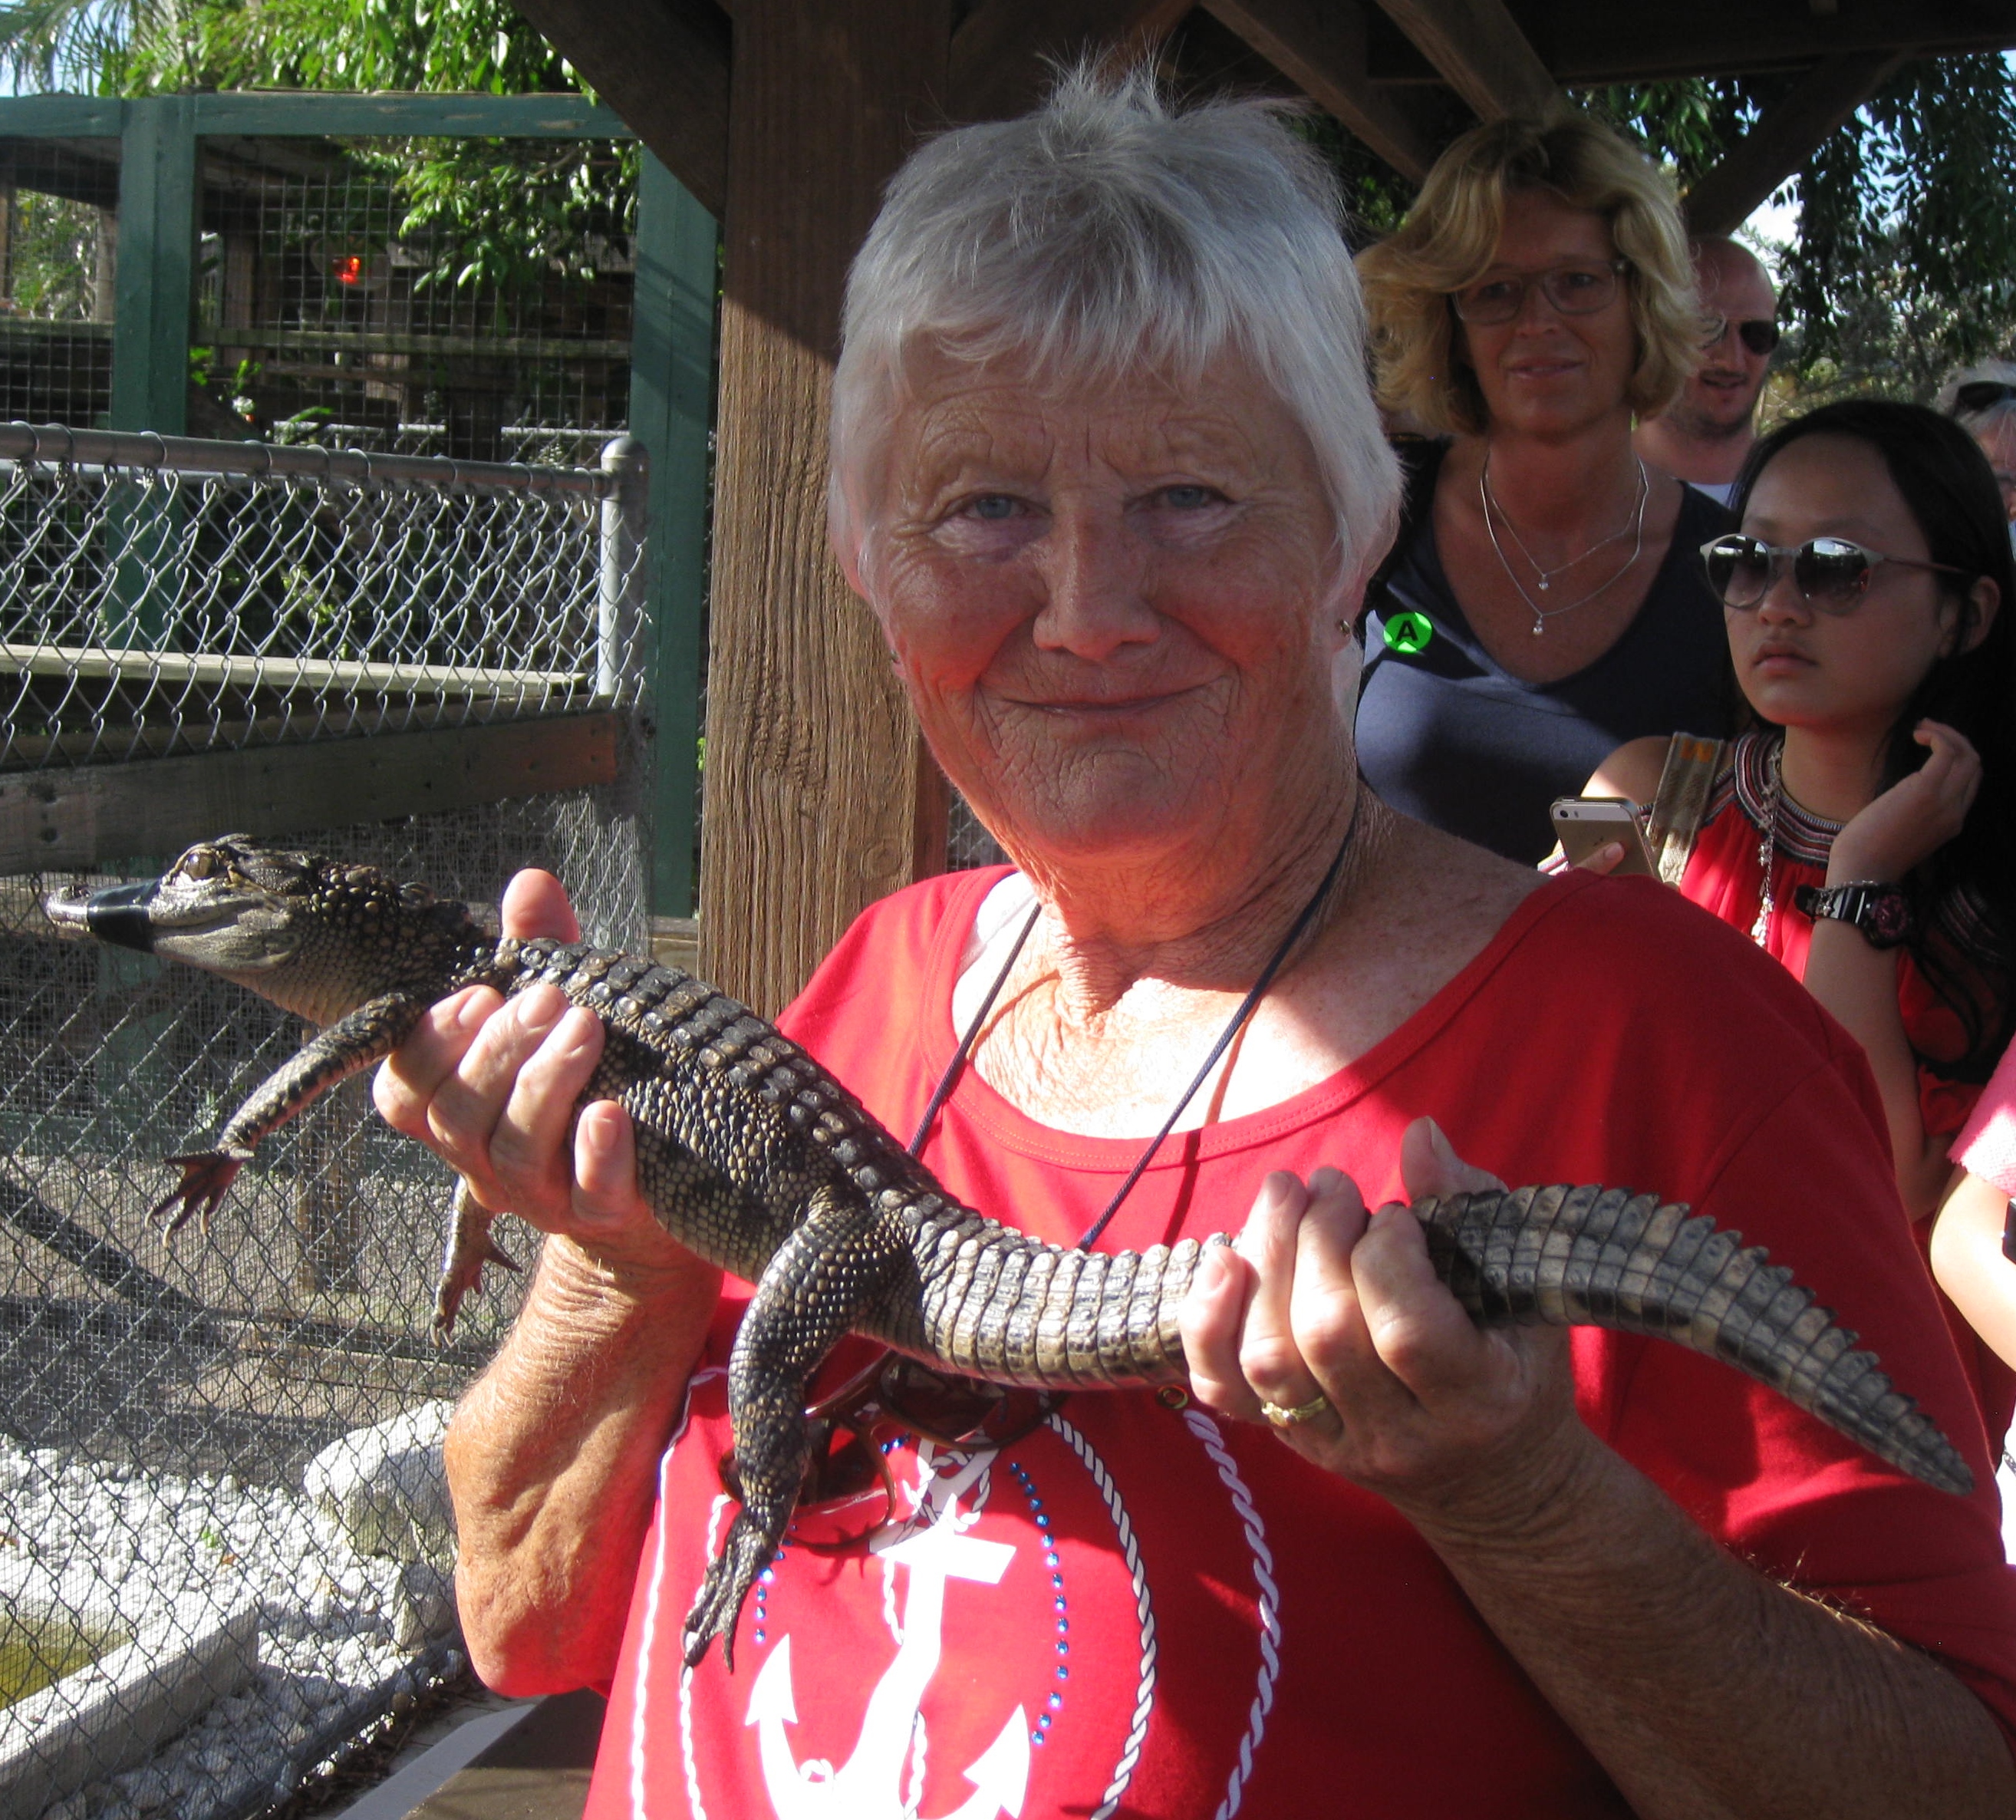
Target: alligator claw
729,1577
206,1179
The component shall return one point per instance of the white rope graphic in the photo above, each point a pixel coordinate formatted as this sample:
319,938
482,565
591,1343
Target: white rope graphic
1268,1611
1144,1696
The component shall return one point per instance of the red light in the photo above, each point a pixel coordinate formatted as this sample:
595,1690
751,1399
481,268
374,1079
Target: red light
349,270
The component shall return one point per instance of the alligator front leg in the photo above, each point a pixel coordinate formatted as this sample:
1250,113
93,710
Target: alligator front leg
822,1279
331,1056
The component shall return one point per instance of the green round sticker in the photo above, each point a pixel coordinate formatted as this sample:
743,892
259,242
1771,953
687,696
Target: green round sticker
1409,632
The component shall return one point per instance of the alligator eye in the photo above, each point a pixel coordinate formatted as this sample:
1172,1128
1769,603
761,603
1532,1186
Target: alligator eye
199,863
416,897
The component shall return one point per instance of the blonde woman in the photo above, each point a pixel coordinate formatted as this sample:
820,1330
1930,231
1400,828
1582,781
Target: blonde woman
1544,602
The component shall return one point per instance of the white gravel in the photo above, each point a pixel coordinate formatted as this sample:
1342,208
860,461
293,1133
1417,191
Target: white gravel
119,1545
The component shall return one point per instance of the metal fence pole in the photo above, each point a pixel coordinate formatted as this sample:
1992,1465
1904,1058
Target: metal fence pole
626,515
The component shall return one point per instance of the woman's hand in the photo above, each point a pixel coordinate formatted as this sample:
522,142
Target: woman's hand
491,1084
1323,1303
1913,819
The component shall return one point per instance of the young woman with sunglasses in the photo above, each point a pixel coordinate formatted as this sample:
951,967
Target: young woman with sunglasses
1860,826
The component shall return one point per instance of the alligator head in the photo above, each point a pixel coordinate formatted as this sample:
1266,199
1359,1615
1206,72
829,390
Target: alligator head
317,936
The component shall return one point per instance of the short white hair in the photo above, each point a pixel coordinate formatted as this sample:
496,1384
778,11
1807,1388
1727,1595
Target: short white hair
1111,231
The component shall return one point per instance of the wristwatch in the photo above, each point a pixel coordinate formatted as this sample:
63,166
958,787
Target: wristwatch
1881,912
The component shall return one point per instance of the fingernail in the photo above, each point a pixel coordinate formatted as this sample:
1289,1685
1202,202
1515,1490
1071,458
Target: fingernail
1325,1179
1438,1139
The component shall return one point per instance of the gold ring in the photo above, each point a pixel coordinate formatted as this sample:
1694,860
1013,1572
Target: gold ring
1295,1418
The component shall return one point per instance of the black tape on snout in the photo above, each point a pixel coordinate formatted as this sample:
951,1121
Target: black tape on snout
119,915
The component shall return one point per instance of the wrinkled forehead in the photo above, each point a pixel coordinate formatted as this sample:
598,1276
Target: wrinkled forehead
949,412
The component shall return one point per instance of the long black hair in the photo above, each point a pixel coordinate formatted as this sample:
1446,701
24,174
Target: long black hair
1963,896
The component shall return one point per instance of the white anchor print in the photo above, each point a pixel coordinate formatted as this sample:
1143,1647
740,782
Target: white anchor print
869,1785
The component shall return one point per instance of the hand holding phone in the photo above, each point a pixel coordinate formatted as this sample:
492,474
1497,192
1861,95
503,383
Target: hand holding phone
1584,824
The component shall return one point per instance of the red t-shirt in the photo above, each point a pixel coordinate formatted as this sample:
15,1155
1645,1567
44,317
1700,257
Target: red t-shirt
1142,1610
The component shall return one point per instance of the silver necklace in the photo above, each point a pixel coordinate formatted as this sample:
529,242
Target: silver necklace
1545,577
1541,615
1767,847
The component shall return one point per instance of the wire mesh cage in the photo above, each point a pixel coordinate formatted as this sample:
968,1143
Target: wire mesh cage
340,301
224,1548
157,598
58,261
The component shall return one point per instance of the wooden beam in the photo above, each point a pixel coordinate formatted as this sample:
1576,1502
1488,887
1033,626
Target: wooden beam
1784,138
1004,55
1481,52
1319,45
1620,43
820,795
662,66
64,820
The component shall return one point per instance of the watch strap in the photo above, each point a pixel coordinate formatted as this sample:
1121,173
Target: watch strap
1880,909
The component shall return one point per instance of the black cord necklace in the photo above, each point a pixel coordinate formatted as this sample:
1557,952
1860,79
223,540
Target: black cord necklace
1297,929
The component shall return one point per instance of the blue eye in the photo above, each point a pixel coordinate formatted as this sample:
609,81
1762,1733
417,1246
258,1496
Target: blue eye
1188,499
992,507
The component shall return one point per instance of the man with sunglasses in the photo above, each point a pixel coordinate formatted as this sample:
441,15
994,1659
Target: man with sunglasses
1704,435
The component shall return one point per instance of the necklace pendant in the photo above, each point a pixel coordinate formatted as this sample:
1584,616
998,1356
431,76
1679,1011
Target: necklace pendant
1539,626
1543,584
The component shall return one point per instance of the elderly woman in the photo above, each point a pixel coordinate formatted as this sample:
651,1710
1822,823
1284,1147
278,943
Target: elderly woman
1109,477
1544,603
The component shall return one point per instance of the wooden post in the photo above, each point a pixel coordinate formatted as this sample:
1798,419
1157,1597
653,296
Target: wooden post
820,795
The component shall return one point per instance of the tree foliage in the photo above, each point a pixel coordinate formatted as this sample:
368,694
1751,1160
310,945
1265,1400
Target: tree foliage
495,217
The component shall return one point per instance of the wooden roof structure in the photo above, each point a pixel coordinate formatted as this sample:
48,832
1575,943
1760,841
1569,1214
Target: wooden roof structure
785,118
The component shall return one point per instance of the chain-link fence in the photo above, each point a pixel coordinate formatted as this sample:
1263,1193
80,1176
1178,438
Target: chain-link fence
223,1548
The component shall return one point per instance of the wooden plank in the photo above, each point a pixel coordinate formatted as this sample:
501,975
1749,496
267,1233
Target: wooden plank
1481,52
662,64
820,796
1319,45
495,346
1004,54
94,814
305,115
1784,138
76,116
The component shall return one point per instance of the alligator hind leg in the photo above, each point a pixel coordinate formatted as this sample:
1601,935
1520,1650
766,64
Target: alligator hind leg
470,1247
823,1279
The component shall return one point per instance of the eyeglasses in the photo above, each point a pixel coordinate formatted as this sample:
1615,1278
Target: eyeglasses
1573,290
849,1491
1760,334
1830,571
1978,394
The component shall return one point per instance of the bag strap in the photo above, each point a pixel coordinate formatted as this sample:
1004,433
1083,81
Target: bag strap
1692,765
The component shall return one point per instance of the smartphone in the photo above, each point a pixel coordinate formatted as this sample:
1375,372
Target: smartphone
1583,823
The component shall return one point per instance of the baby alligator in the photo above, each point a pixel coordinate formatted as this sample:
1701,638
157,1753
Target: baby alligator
756,1158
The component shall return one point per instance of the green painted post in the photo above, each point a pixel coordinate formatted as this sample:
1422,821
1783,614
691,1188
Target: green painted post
671,410
153,295
155,288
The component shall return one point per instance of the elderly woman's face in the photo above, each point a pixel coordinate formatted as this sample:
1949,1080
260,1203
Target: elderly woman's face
1116,613
1545,371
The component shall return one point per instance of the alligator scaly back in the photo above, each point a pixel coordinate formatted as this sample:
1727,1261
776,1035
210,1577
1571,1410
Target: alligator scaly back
754,1157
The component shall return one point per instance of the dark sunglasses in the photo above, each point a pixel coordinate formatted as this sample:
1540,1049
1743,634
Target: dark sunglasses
1758,333
1830,571
1978,394
849,1491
